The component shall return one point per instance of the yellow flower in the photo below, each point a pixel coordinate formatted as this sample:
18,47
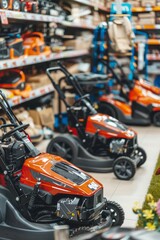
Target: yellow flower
136,207
150,226
149,198
148,214
153,205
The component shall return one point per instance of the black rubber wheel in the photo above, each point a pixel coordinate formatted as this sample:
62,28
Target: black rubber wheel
117,213
107,109
4,4
34,8
67,143
124,168
140,153
16,5
156,119
23,7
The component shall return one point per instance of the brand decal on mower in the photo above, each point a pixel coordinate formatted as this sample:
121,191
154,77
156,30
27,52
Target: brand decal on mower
93,186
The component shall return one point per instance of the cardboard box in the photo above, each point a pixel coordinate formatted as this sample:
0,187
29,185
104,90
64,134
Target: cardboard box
79,43
145,3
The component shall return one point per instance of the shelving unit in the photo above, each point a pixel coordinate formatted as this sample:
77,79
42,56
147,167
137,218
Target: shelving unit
145,9
13,17
19,16
39,92
29,60
148,27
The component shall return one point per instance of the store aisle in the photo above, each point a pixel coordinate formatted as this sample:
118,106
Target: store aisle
128,192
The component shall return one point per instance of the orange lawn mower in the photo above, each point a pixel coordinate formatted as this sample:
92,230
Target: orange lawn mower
95,142
135,104
39,190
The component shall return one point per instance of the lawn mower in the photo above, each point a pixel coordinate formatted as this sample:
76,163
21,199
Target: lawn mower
98,143
40,189
135,105
138,81
148,86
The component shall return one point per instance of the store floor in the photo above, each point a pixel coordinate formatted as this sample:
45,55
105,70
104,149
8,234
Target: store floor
128,192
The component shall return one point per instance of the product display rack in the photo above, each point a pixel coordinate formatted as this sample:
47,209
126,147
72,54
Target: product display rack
146,9
39,92
152,30
29,60
33,17
9,16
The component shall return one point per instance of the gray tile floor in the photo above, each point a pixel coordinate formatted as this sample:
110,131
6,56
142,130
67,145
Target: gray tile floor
128,192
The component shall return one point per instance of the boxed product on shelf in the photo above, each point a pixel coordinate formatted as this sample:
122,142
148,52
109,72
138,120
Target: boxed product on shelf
158,18
146,18
43,116
146,3
81,42
37,81
135,3
135,20
158,3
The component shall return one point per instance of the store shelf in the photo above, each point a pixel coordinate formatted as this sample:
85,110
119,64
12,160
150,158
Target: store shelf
146,9
149,41
14,15
93,4
148,27
153,57
29,60
33,95
23,16
75,25
153,41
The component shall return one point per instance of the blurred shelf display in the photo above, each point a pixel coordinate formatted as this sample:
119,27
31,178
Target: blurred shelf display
29,60
33,94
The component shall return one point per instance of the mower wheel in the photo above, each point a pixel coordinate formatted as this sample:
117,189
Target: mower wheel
156,119
124,168
117,213
107,109
140,153
16,5
4,4
68,146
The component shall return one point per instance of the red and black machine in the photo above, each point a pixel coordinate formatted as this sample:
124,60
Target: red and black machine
95,142
38,190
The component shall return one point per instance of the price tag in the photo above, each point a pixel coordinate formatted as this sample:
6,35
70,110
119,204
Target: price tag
4,19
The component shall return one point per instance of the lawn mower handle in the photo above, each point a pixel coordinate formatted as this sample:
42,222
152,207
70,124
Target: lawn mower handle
56,86
59,68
